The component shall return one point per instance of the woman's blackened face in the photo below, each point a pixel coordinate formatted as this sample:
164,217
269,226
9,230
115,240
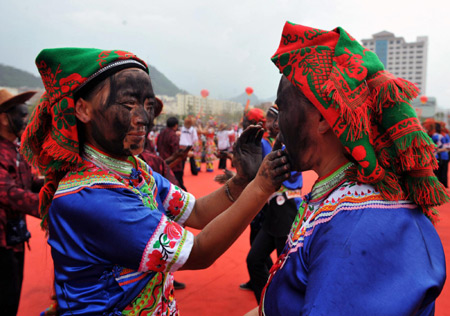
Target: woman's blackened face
18,118
295,127
123,113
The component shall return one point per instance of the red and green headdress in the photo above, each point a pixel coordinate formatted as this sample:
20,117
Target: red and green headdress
368,109
51,140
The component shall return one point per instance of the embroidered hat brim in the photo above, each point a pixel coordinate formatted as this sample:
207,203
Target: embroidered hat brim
106,72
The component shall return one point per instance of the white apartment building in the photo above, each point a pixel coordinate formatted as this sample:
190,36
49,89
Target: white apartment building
187,104
403,59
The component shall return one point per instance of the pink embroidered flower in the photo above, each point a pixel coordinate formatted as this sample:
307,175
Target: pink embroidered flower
156,262
173,230
168,289
159,309
308,213
176,203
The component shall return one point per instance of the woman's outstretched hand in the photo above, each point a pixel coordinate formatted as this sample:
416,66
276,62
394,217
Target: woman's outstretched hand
247,154
275,169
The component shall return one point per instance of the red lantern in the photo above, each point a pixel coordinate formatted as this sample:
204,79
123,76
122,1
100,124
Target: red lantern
204,93
423,99
249,90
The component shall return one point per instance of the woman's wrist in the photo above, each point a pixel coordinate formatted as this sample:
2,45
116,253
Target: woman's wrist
228,192
239,181
235,186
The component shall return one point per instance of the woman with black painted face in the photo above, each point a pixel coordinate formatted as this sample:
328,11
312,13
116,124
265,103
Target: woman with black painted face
120,113
18,118
116,227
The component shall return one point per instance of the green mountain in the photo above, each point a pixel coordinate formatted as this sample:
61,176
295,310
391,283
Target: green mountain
162,85
243,97
16,78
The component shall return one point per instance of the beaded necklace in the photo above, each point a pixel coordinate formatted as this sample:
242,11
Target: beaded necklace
127,172
122,168
328,183
321,189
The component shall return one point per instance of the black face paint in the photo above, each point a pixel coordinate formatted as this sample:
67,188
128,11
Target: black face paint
123,119
294,125
18,117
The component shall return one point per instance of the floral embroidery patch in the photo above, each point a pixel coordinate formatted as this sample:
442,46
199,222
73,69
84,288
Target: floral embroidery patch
156,262
178,204
164,248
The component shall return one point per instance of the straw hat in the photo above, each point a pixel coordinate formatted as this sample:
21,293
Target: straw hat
9,100
158,106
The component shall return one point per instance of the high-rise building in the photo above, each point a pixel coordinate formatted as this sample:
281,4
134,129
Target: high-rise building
403,59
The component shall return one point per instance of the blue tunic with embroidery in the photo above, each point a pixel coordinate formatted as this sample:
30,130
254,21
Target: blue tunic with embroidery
351,252
115,235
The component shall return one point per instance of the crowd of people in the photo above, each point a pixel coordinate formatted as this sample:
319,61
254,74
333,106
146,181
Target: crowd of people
111,195
440,136
195,144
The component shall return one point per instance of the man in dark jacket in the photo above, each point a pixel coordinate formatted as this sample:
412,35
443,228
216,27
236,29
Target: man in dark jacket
18,196
168,145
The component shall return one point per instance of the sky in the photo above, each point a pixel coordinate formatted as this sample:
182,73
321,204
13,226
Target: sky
221,46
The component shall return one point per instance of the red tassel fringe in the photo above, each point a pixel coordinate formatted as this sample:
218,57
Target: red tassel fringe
357,118
391,91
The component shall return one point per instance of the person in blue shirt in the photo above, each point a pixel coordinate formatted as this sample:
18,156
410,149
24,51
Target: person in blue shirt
441,140
445,156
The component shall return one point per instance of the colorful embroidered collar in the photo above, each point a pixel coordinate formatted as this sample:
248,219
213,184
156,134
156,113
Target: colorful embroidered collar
325,185
126,169
130,172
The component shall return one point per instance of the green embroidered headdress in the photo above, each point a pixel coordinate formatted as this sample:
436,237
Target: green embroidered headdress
51,140
369,110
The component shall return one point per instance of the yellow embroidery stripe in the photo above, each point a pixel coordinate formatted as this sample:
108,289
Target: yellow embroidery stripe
177,253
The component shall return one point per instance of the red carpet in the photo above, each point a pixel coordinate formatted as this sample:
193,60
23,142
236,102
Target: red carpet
214,291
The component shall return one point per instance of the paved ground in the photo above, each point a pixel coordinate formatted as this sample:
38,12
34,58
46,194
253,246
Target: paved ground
213,291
